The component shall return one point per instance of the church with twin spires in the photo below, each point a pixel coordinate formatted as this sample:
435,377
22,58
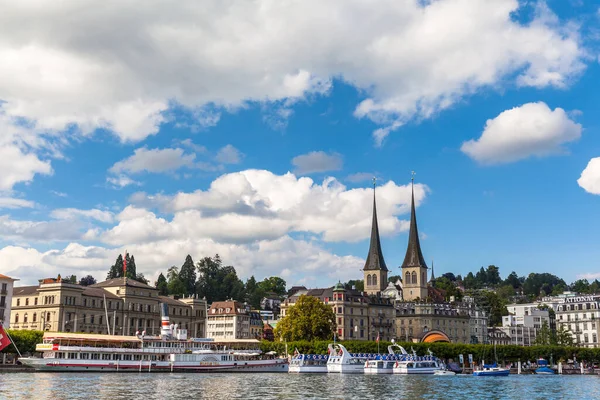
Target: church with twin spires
414,268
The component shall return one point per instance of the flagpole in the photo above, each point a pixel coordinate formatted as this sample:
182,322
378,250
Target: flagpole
13,342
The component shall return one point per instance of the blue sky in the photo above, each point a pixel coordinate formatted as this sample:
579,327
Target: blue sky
254,132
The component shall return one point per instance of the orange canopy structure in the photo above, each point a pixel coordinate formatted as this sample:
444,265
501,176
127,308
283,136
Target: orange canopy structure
435,336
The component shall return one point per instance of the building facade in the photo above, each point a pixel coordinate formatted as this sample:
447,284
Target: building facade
119,306
497,336
6,293
478,321
233,320
580,315
523,322
415,319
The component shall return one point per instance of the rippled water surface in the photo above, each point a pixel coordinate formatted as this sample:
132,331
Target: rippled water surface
284,386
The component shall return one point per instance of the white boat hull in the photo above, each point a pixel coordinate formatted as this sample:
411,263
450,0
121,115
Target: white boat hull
307,369
415,371
346,368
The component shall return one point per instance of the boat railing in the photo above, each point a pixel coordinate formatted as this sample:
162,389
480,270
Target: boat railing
153,350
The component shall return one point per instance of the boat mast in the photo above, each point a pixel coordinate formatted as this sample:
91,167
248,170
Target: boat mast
107,321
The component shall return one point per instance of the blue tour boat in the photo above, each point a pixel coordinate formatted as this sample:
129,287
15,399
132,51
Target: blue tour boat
543,368
491,370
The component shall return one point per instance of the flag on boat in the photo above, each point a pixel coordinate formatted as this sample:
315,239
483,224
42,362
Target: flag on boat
4,340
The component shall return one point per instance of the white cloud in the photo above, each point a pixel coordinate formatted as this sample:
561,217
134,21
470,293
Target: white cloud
39,231
590,177
411,58
11,202
59,194
532,129
317,161
154,160
73,213
229,155
121,181
590,276
257,204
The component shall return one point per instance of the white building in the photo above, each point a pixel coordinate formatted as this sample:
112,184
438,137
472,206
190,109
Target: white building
523,322
6,292
228,320
580,315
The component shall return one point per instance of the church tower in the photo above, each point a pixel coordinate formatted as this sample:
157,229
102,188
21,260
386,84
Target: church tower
414,269
375,270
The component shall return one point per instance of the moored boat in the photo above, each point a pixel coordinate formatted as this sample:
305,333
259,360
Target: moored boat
308,363
543,368
413,364
382,364
342,361
491,370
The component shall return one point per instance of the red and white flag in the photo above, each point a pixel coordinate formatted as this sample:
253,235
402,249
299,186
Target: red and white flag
4,340
377,340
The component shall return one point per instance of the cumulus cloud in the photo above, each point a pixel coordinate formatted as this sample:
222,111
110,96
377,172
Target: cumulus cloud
11,202
120,181
74,213
229,155
590,177
39,231
411,58
532,129
153,160
359,177
317,161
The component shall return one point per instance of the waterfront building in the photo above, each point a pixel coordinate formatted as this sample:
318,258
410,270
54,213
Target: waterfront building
6,293
580,314
122,305
497,336
358,316
232,320
272,302
523,322
478,321
268,332
415,319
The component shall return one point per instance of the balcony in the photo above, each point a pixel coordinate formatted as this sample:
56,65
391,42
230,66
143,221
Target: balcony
3,292
381,324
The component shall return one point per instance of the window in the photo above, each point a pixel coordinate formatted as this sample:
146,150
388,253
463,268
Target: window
374,279
423,279
407,278
16,318
48,317
369,281
414,277
25,318
18,302
35,301
27,301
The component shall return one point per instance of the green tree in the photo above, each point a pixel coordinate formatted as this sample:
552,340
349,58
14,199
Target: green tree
544,335
87,280
445,284
541,284
70,279
505,292
564,337
217,282
470,282
187,275
162,285
174,284
116,270
513,280
492,303
274,284
595,287
25,340
358,284
308,319
254,293
131,268
492,275
581,286
450,276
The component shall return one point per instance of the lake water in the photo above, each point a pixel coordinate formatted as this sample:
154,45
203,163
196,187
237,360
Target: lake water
283,386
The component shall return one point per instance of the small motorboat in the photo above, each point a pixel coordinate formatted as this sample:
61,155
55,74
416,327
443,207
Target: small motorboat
444,372
491,370
543,368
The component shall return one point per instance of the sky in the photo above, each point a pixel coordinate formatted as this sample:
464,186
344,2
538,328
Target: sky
253,129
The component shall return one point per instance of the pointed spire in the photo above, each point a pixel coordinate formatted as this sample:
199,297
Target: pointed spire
414,256
375,259
432,275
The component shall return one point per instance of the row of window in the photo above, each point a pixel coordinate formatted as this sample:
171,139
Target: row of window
412,278
33,319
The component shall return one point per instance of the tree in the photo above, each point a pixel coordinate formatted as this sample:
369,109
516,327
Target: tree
513,280
358,284
445,284
450,276
307,319
70,279
492,275
25,340
254,293
535,282
141,278
217,282
187,275
174,285
162,285
544,335
131,268
274,284
87,281
470,282
564,337
505,292
116,270
581,286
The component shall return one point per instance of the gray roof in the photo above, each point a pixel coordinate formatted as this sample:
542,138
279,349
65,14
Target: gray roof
119,282
99,292
25,290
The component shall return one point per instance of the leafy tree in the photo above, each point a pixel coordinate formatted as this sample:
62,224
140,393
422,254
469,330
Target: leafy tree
450,276
470,282
505,292
187,275
541,284
595,287
162,285
174,285
492,303
87,280
393,279
70,279
359,284
25,340
254,293
513,280
217,282
564,337
492,275
131,268
273,284
116,270
141,278
448,287
581,286
544,336
308,319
